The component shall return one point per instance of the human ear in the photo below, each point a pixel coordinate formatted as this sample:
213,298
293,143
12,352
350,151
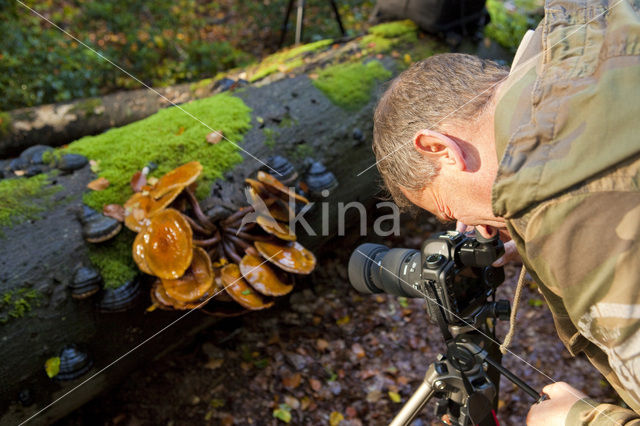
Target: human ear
441,148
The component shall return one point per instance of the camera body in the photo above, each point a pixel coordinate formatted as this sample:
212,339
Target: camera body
453,267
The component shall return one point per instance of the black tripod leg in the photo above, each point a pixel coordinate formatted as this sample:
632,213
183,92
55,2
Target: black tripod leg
283,30
337,13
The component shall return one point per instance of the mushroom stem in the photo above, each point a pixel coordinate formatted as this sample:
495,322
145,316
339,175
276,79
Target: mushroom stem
230,250
208,242
204,221
237,241
246,236
237,215
196,226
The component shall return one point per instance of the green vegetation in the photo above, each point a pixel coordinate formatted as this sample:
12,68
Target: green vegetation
382,38
168,138
161,42
16,303
5,122
510,20
113,259
350,85
25,198
285,60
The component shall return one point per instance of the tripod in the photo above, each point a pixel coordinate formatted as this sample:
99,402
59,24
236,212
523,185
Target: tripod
299,19
466,379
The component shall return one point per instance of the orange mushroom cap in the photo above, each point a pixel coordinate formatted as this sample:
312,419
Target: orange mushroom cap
197,281
164,246
262,278
141,206
276,187
240,291
276,228
162,300
292,257
179,177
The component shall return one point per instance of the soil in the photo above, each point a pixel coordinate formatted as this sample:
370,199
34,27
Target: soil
329,354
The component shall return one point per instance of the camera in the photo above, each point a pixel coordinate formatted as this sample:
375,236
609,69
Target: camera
451,267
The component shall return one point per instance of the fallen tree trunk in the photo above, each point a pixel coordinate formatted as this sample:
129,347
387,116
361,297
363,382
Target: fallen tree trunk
42,254
57,124
290,117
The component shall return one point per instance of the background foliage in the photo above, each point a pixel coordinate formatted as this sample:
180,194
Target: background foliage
162,42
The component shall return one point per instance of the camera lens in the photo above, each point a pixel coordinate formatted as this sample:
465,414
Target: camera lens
374,268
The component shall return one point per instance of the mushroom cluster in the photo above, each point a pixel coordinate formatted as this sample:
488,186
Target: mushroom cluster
224,267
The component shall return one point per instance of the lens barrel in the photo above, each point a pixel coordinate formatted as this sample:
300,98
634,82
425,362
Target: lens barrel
374,268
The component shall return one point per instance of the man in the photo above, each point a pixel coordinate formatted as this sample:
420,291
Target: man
551,152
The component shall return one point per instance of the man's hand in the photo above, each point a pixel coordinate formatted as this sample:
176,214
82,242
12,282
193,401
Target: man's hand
553,411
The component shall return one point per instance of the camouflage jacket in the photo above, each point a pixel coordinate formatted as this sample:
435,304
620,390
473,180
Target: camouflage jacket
567,132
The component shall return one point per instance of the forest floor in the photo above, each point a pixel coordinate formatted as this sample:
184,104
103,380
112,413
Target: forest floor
329,355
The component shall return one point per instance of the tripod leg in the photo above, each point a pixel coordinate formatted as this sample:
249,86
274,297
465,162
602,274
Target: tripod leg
415,404
337,13
283,30
299,20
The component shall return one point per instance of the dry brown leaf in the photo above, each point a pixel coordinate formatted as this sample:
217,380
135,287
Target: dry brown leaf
212,364
292,381
214,137
316,384
322,344
115,211
138,181
99,184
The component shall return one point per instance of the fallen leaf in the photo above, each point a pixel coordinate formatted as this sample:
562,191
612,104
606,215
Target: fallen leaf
305,401
335,418
395,397
214,137
138,180
351,411
292,402
99,184
374,396
52,367
292,381
283,412
214,363
358,350
322,344
94,166
115,211
180,131
344,320
316,384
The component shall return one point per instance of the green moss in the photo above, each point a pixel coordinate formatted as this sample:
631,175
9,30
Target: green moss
168,138
382,38
302,151
350,85
25,198
285,60
201,84
394,29
113,259
88,107
5,123
17,303
269,138
509,23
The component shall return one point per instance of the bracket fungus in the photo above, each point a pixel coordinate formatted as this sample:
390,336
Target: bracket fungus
224,266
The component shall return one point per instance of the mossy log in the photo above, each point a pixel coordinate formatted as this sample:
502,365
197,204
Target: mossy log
290,116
